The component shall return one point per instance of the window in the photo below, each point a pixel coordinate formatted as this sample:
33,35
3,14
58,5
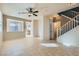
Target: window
14,26
28,28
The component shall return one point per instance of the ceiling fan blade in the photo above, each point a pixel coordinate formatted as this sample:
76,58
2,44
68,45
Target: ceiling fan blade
22,12
27,9
35,15
35,12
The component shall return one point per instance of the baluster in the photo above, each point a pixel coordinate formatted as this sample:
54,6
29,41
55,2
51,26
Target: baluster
70,25
74,23
57,33
77,18
77,23
60,31
67,26
63,29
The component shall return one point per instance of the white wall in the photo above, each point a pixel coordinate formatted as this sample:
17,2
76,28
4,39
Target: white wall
46,29
1,30
70,38
41,27
36,27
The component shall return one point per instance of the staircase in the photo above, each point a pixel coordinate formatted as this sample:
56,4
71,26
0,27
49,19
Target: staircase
68,34
74,21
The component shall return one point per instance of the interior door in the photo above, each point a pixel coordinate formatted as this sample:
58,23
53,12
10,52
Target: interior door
56,25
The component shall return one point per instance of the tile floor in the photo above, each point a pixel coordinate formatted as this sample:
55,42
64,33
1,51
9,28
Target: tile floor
32,47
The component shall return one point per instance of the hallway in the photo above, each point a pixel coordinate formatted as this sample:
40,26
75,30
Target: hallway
33,47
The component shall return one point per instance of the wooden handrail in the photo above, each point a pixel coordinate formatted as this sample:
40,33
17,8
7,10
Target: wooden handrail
67,26
72,18
75,16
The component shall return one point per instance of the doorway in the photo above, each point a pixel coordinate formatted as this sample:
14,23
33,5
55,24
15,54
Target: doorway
28,29
53,29
56,25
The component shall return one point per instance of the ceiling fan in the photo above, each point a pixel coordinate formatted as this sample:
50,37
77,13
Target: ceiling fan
30,12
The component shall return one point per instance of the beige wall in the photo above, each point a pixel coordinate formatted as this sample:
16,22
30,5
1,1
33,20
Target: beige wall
46,28
1,30
59,18
41,27
36,28
64,20
12,35
1,39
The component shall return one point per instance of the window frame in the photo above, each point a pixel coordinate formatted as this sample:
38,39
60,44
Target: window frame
10,20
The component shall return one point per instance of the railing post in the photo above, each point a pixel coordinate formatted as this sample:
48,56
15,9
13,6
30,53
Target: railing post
74,23
57,34
66,27
69,25
60,32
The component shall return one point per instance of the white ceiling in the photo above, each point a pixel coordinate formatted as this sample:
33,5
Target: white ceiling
44,8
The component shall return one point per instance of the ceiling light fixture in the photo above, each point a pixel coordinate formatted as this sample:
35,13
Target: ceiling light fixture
30,12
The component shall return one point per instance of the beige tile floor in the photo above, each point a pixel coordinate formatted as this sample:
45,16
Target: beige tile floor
32,47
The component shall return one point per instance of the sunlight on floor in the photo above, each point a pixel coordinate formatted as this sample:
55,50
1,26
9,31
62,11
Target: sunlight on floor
49,45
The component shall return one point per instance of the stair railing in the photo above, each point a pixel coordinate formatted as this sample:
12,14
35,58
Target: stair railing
68,26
